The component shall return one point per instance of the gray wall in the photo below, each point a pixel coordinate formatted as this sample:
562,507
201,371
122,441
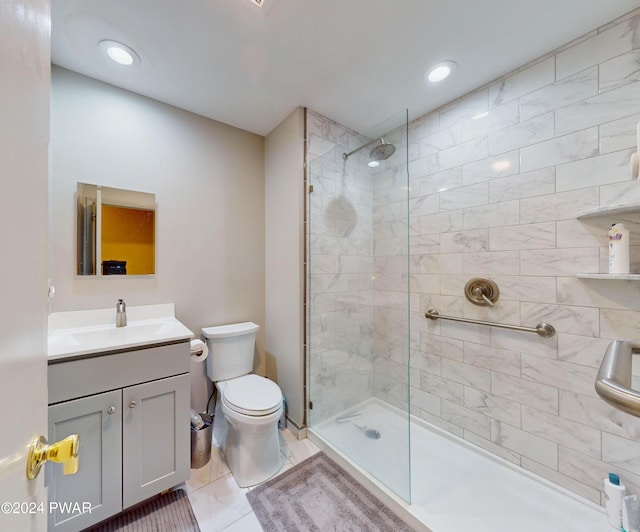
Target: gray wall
284,257
208,179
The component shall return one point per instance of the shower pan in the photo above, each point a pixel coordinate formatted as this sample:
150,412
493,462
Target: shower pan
358,300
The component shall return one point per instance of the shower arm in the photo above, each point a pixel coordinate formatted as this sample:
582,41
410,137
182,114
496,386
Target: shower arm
345,156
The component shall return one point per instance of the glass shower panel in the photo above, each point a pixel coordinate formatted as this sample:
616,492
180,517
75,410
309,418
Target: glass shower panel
358,295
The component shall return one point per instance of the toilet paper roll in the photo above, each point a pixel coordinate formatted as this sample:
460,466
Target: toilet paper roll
199,351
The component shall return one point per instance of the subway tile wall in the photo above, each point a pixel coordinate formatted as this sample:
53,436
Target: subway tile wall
340,242
497,180
358,269
506,170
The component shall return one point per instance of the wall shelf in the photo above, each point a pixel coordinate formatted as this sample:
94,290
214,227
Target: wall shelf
610,276
613,210
621,212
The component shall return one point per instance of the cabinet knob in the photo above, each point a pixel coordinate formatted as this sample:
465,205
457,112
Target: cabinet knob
132,404
111,410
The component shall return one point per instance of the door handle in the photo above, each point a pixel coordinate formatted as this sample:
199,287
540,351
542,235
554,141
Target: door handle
63,451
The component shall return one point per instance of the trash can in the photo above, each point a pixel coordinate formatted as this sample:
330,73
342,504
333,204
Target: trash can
201,443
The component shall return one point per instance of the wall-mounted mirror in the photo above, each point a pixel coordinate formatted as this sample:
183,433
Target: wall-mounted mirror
116,231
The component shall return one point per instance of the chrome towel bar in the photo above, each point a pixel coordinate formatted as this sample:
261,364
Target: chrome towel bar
613,382
543,329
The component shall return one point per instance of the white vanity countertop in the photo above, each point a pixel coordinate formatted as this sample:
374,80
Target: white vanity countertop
86,332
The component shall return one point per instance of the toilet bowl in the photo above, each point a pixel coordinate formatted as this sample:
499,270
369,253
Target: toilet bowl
248,406
248,431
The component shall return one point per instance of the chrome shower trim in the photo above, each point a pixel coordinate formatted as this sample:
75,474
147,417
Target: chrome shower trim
379,140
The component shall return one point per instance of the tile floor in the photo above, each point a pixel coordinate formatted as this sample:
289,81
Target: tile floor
217,501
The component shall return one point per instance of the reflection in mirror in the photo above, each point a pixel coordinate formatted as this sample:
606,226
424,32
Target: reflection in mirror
116,231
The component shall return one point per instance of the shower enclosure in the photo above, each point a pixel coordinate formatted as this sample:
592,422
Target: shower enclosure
358,337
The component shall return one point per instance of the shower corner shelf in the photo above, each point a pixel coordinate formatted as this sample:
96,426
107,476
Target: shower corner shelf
610,276
612,210
630,210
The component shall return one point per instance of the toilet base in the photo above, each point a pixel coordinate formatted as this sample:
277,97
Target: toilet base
251,449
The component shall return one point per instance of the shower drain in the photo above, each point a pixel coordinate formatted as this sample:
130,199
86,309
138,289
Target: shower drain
372,433
369,433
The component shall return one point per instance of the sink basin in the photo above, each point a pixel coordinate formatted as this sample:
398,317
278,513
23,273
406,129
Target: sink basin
79,333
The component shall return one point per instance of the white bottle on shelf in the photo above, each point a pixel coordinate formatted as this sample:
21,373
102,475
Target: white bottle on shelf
613,494
618,249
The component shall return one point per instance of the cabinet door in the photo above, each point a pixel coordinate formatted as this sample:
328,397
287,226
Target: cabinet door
155,437
98,482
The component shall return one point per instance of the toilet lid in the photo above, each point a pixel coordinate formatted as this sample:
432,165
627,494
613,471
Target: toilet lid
252,395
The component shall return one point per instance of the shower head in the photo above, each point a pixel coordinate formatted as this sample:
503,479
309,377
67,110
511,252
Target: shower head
381,152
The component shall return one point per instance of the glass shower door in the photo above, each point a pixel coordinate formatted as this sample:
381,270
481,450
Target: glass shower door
358,296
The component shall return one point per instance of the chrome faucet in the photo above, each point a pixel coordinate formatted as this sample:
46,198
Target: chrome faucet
121,313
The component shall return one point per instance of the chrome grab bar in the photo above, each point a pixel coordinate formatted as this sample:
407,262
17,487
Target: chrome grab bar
613,382
543,329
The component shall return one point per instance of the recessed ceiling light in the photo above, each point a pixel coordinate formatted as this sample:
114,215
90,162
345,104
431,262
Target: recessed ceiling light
440,71
373,164
118,52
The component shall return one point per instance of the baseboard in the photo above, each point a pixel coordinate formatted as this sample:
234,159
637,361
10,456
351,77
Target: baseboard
300,432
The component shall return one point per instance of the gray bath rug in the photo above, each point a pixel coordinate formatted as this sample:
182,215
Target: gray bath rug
169,512
318,495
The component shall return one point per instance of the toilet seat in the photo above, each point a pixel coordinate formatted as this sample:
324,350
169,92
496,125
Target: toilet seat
251,395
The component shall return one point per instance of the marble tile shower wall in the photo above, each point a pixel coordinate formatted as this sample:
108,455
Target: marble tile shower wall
391,275
496,181
341,265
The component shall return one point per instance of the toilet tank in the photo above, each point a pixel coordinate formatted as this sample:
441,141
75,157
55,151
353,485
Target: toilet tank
230,350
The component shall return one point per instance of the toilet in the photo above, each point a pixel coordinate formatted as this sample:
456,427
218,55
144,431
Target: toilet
248,406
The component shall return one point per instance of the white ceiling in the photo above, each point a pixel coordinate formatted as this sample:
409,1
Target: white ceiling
355,61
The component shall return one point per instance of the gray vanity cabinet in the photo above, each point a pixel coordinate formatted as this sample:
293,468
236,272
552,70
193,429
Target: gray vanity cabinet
131,410
98,421
154,439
